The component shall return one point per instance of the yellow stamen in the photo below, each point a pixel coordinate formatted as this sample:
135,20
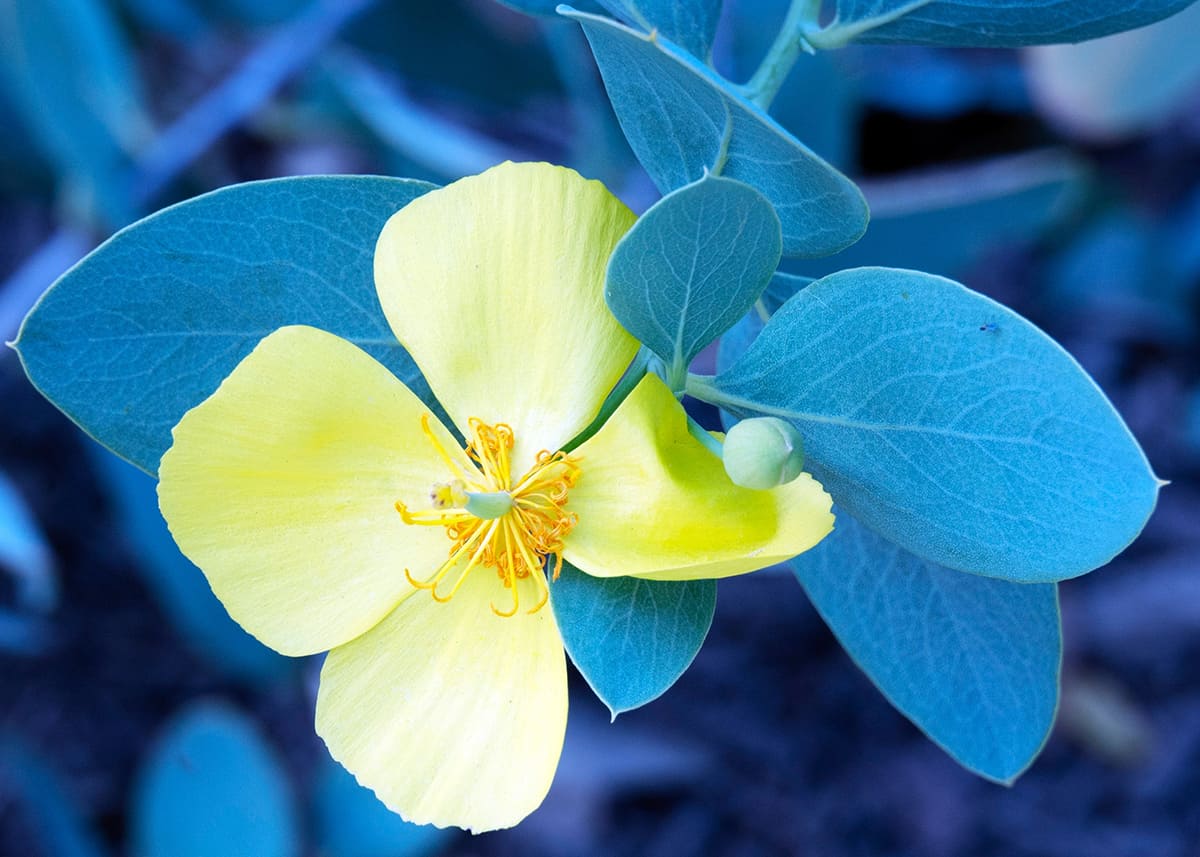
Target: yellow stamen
517,542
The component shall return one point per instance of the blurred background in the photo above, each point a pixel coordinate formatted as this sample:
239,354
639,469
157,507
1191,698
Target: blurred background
136,718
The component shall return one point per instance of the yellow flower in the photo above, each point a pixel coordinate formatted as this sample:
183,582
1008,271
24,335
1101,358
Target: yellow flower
330,509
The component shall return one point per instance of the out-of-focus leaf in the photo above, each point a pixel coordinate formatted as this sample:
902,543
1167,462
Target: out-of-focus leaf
212,786
692,266
449,150
691,24
972,661
71,74
55,820
1122,85
682,119
546,7
993,24
948,424
24,553
944,221
255,12
178,585
935,83
151,322
350,821
631,639
177,18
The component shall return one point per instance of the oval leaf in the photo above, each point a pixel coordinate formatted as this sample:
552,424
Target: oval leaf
212,786
631,639
973,662
151,322
682,119
692,266
994,24
948,424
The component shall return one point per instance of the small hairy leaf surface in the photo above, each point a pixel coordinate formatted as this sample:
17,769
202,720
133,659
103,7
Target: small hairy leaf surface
682,119
692,266
692,25
972,661
150,323
631,639
948,424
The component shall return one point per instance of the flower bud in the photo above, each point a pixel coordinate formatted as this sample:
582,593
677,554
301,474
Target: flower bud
762,453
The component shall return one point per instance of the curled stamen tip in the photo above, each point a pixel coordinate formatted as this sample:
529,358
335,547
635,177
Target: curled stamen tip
418,584
502,614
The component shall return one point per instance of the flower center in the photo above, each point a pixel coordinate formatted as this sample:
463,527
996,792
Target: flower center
495,521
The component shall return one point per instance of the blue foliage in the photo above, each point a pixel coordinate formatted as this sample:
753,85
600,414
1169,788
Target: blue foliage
24,553
55,820
692,25
178,585
682,119
350,821
692,266
631,639
948,424
972,661
996,24
69,70
191,290
944,222
212,786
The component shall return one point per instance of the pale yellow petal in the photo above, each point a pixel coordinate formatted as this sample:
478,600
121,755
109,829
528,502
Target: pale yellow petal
495,285
452,715
281,487
653,502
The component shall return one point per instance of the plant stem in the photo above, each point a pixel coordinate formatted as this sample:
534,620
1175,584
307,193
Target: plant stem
632,377
792,39
706,439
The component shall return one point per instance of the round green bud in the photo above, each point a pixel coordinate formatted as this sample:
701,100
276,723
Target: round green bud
762,453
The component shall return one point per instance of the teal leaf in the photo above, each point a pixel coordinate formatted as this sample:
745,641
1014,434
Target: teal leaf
179,587
948,424
993,24
631,639
149,324
691,24
211,785
71,74
682,119
972,661
692,266
1115,87
349,821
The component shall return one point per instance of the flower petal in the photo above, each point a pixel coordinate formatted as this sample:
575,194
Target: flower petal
653,502
495,286
281,487
451,714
